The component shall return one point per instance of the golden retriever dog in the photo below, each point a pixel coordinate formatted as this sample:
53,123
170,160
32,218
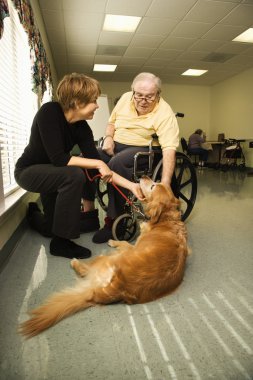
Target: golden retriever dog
151,268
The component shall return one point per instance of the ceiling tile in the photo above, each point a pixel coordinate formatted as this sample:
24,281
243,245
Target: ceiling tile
81,5
155,25
173,8
139,52
112,60
233,47
113,50
113,38
177,43
82,49
83,20
166,53
52,18
146,41
129,61
242,15
190,29
172,36
50,5
209,11
223,32
206,45
80,36
128,8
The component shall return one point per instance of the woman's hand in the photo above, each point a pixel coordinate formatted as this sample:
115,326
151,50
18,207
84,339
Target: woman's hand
105,171
108,145
136,190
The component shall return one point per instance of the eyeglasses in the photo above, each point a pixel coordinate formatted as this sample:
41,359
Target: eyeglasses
147,98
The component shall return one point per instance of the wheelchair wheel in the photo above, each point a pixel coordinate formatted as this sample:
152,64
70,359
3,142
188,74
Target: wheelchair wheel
184,182
101,193
124,228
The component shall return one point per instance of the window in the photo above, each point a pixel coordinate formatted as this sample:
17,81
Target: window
18,103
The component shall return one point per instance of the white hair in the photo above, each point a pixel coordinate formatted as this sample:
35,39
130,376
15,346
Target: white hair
148,76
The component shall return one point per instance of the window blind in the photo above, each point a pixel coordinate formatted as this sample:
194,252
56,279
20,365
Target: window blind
18,103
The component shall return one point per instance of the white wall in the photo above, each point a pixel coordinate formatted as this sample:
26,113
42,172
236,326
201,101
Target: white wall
193,101
232,110
224,108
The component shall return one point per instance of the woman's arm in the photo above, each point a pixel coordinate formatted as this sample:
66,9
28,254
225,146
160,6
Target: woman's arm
132,186
88,163
106,174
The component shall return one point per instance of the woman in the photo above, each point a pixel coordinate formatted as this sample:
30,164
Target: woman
47,166
194,146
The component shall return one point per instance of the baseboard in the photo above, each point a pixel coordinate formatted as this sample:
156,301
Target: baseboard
8,248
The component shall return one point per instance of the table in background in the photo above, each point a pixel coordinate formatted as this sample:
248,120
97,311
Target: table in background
217,148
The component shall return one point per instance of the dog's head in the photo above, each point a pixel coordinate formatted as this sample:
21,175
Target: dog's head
160,202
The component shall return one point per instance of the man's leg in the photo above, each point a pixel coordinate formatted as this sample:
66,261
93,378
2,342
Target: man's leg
122,163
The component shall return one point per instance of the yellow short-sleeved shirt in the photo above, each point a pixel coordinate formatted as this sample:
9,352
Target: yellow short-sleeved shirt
136,130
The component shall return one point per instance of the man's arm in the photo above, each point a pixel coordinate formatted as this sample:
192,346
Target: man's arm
169,160
108,144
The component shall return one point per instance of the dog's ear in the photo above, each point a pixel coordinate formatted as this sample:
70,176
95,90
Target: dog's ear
161,203
157,203
153,212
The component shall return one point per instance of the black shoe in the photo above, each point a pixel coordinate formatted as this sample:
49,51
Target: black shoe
67,248
32,207
89,221
35,219
103,235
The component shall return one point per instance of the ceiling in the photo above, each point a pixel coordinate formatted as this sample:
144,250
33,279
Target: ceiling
173,36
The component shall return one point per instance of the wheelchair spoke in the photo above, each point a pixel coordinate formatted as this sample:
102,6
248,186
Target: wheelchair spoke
124,227
184,182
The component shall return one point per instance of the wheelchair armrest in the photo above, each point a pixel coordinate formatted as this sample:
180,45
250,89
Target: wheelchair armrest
100,142
137,173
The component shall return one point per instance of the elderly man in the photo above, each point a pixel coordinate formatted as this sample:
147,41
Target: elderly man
135,118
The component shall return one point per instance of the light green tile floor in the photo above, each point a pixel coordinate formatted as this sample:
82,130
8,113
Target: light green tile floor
202,331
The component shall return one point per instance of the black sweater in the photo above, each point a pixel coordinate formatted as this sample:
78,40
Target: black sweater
52,138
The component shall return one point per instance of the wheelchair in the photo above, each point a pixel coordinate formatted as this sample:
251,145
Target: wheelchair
233,156
183,184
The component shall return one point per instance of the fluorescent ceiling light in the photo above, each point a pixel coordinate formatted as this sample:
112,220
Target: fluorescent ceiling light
194,72
246,36
114,23
98,67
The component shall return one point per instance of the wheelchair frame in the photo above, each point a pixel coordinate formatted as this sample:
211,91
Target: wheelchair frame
184,187
233,156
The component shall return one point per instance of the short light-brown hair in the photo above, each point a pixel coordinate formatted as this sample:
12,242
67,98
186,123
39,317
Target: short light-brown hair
75,89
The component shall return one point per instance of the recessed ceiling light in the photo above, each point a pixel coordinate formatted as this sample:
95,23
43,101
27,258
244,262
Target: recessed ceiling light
194,72
115,23
98,67
246,36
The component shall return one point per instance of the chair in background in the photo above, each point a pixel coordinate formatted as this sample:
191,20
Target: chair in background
184,146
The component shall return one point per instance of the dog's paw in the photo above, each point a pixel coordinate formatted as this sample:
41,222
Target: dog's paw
189,251
112,243
73,262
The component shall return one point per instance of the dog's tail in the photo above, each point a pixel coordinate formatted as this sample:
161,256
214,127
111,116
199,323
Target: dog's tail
57,307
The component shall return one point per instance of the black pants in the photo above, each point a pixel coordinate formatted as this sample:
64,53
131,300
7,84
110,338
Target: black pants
61,190
122,163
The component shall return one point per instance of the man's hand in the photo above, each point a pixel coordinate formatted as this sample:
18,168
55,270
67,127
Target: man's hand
136,190
108,145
